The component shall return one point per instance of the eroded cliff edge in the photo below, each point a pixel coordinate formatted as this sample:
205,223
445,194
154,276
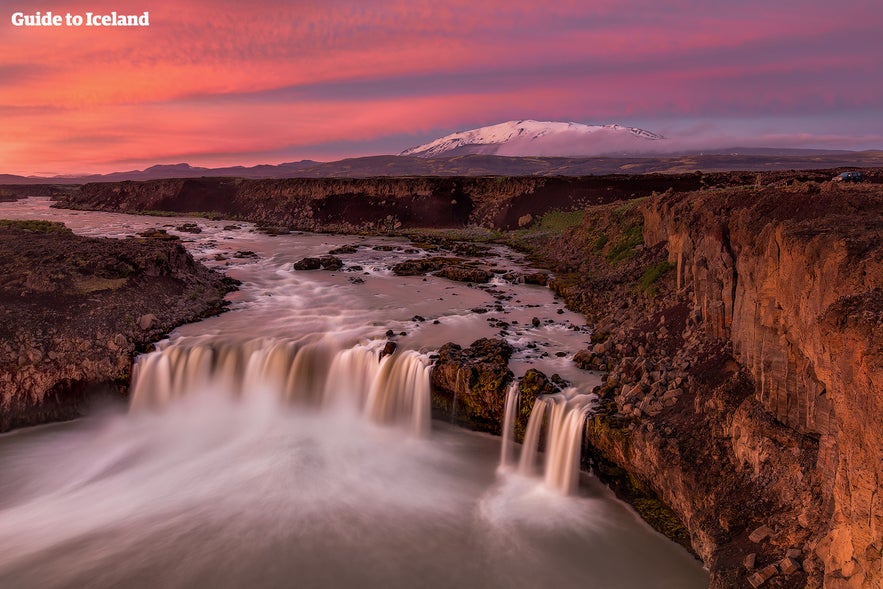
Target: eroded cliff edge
74,311
744,344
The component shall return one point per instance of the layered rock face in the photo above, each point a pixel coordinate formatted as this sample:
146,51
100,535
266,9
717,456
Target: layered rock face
377,204
74,310
794,279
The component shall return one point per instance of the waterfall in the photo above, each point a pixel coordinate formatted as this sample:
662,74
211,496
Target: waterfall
566,412
393,389
512,397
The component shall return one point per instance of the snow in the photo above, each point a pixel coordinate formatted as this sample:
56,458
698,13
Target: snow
534,138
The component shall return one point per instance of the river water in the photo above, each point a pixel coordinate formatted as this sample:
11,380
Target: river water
267,447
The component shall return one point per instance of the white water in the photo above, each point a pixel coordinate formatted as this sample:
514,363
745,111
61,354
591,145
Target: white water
563,416
389,390
510,414
268,447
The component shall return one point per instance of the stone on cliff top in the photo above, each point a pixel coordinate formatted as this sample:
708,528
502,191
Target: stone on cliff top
147,321
760,534
789,565
763,575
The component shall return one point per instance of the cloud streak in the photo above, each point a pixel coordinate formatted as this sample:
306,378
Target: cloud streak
226,81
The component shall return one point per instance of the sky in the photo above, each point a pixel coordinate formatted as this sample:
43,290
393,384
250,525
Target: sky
227,82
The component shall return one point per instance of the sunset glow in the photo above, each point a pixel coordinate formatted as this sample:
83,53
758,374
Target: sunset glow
220,82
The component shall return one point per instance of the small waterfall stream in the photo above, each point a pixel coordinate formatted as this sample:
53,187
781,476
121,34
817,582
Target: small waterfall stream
564,417
392,389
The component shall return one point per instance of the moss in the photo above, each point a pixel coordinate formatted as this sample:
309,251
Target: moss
648,282
35,226
600,242
662,519
558,221
606,427
624,247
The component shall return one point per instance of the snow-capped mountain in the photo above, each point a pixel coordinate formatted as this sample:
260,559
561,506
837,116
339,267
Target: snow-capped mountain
541,138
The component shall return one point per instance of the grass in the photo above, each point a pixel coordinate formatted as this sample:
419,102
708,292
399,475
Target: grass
35,226
558,221
624,248
648,282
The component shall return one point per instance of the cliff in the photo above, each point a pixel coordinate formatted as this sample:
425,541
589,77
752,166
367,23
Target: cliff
74,310
794,279
388,204
742,333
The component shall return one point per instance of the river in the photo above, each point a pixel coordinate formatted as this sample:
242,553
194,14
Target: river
262,449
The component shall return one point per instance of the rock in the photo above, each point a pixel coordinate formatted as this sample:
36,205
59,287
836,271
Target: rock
535,322
423,266
478,377
794,553
760,534
789,566
539,278
189,228
344,249
418,318
245,254
750,560
231,227
357,280
390,333
465,274
307,264
388,349
331,263
147,321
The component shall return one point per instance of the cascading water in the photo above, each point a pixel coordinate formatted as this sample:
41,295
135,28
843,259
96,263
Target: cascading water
566,413
393,389
509,415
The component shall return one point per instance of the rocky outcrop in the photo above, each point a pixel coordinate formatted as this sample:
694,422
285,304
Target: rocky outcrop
377,205
75,310
795,280
469,384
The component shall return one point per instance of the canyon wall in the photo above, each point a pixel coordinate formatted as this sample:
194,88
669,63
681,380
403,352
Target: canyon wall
793,278
379,204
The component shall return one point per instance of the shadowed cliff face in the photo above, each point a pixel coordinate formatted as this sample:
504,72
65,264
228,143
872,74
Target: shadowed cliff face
73,311
378,204
794,279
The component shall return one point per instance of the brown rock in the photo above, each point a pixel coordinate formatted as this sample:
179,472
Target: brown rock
760,534
789,565
147,321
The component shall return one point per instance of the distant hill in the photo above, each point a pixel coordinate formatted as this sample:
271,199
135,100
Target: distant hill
724,160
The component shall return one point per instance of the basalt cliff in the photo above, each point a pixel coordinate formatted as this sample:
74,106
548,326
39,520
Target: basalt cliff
742,338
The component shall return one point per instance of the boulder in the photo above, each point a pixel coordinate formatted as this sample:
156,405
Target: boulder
477,377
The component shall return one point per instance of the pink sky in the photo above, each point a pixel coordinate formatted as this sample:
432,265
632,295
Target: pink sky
220,82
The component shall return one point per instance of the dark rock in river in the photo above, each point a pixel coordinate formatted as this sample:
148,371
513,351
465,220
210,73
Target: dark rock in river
307,264
423,266
470,384
465,274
